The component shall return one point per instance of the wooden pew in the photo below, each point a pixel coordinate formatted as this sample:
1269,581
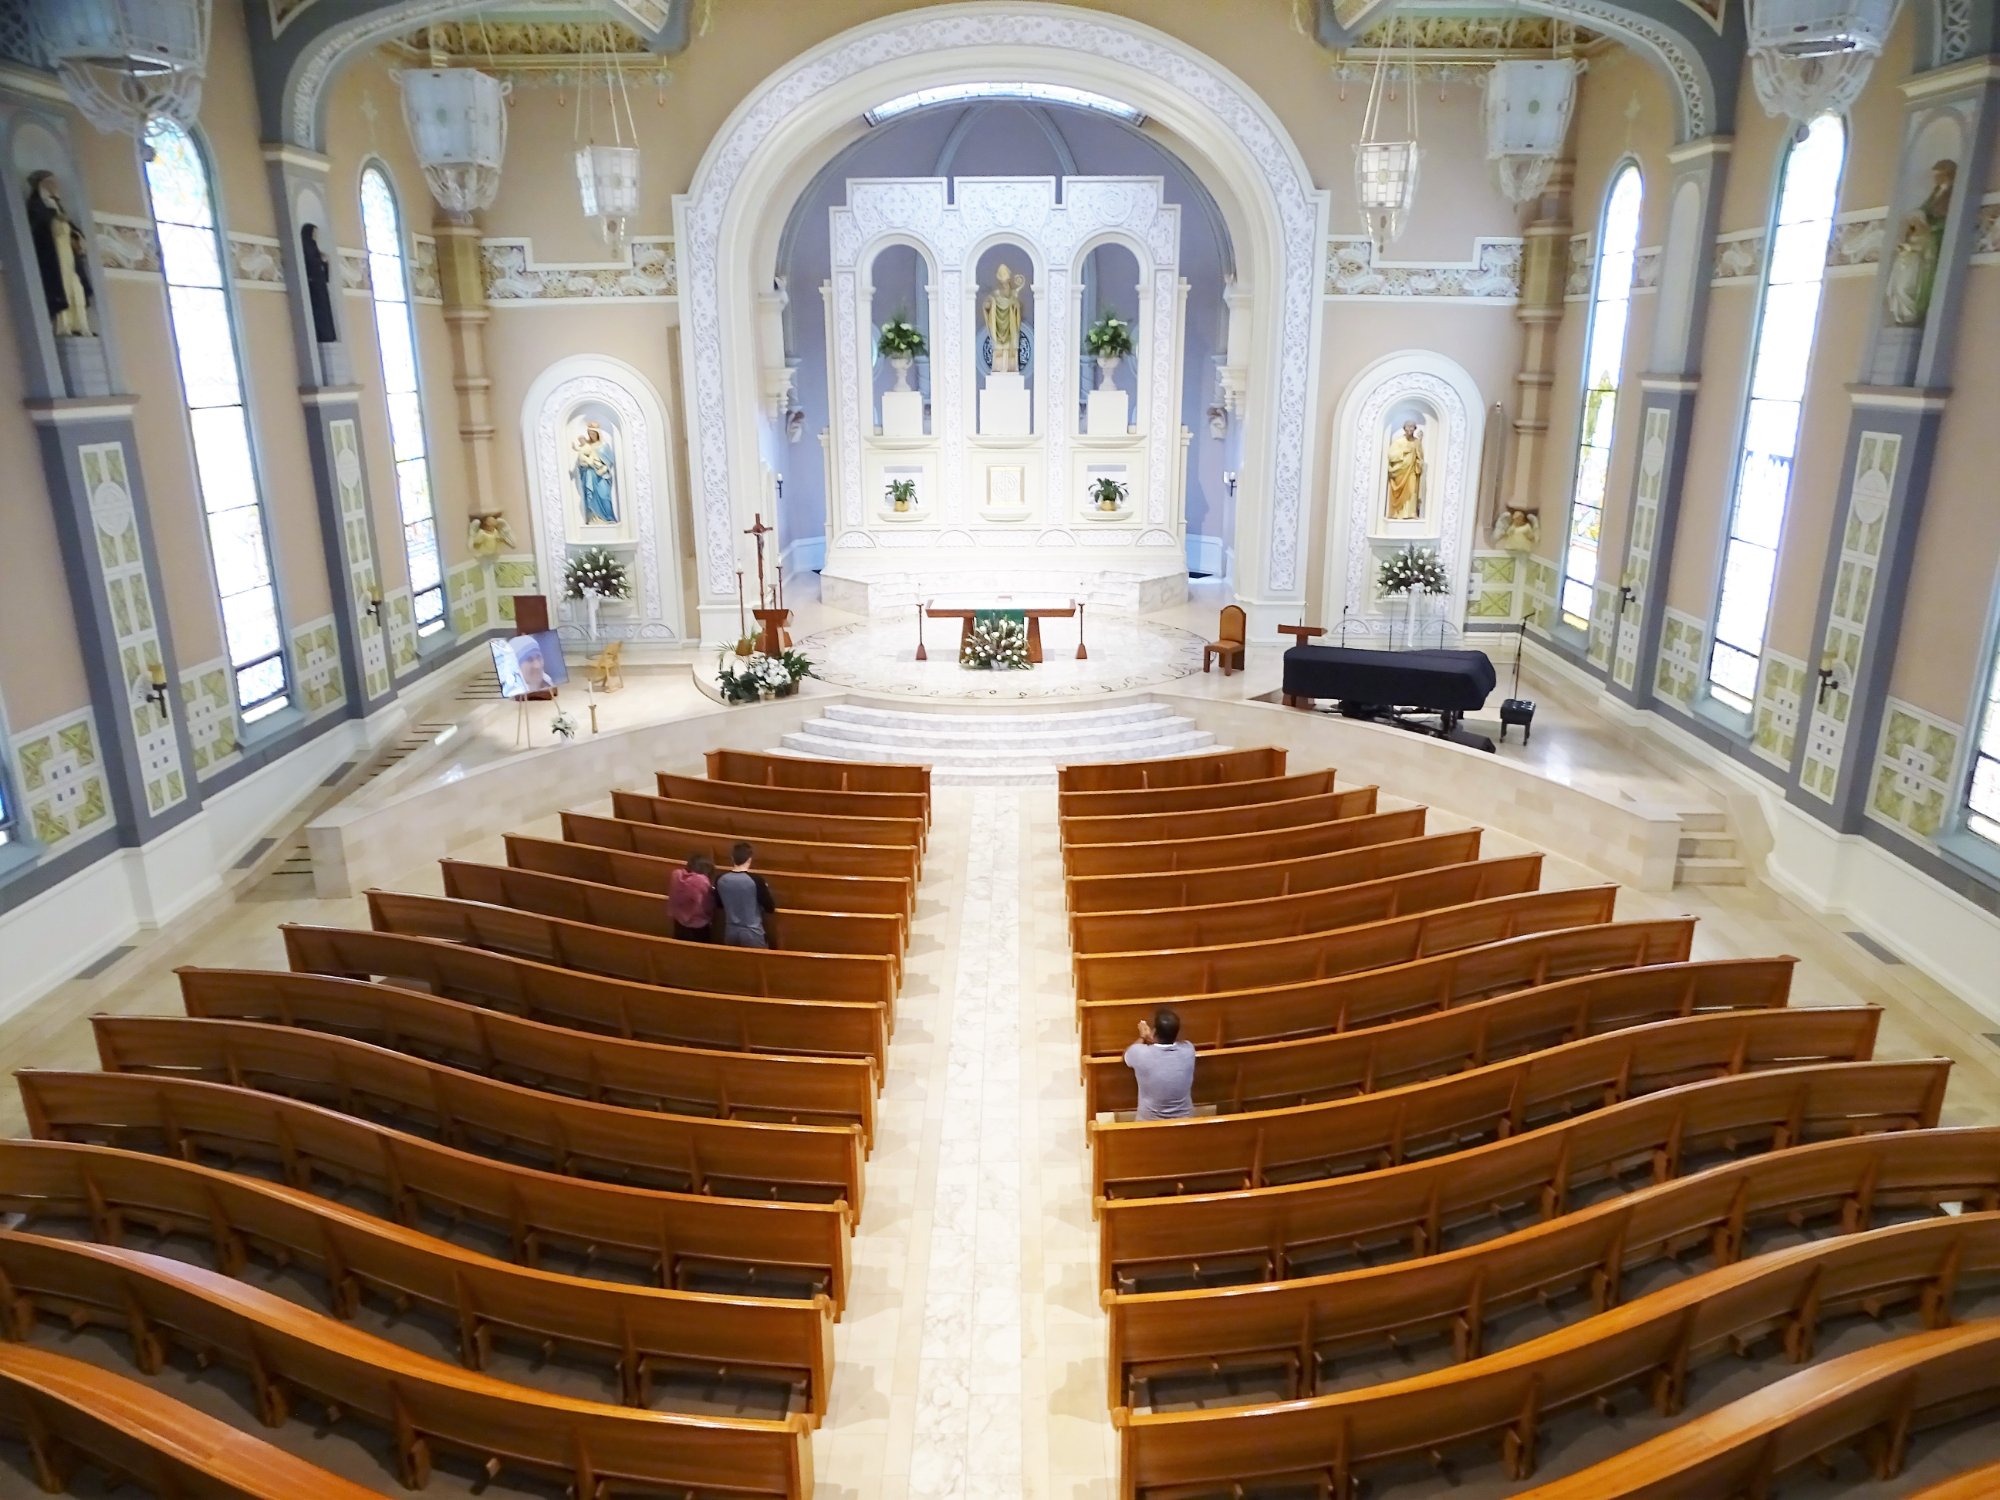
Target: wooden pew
875,895
756,824
1224,851
1276,1233
1499,1101
74,1416
1282,877
681,1239
878,860
1216,822
794,799
641,1331
869,979
1375,996
1343,950
1873,1399
576,1137
1180,770
1301,1326
608,1069
427,1404
1243,921
640,911
1650,1342
593,1002
759,769
1264,1075
1193,798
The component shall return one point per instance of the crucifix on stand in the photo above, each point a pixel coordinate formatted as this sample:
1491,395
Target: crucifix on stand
772,616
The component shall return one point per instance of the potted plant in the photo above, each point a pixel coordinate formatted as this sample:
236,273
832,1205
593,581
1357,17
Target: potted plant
902,494
1408,573
900,343
756,676
1110,339
1108,495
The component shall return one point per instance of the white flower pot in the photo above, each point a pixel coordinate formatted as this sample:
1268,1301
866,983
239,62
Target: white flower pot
901,363
1107,371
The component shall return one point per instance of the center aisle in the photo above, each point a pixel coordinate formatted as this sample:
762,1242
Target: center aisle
970,1360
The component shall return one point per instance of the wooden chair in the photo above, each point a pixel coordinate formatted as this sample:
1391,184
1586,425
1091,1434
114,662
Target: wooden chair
605,666
1230,637
112,1193
1206,769
161,1304
681,1240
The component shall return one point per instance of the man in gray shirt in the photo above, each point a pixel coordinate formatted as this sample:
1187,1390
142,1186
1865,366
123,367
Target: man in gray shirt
1165,1068
746,903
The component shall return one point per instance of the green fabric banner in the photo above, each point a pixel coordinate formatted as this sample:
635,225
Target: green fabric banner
986,617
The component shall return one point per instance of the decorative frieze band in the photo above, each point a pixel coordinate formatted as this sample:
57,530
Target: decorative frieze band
514,278
1493,274
131,247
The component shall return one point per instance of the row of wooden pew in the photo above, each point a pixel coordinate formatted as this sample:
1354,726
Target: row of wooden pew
523,1108
1434,1098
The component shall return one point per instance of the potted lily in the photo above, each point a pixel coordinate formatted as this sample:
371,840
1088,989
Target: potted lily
1108,495
900,343
902,494
1110,339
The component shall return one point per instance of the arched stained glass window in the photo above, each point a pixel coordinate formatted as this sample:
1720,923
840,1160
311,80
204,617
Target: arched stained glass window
1603,364
395,336
1787,320
194,259
1982,791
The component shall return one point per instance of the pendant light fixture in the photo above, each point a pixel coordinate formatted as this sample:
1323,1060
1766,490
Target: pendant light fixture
457,119
1385,169
608,176
1809,57
1528,104
125,63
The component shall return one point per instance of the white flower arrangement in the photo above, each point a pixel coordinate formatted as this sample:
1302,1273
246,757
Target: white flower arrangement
562,726
1414,570
745,679
997,646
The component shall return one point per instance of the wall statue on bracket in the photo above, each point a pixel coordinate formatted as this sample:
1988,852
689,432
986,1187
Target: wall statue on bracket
59,254
1406,473
1906,298
596,469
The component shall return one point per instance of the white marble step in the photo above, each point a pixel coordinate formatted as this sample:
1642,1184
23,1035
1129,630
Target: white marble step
999,751
920,737
1010,723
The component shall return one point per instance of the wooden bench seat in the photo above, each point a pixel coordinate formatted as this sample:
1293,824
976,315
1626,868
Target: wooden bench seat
878,860
576,1137
1264,1075
1651,1342
1274,1233
73,1416
1193,798
1224,851
782,973
759,768
758,824
681,1239
1373,997
1216,822
1274,878
1257,1148
1343,950
1982,1483
1243,921
639,1331
854,804
595,1002
1206,769
1300,1327
641,911
608,1069
287,1351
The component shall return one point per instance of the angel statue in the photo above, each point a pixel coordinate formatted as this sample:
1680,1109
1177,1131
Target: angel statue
596,476
1517,530
490,535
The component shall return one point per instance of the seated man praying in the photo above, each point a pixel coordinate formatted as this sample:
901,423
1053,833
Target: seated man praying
1164,1065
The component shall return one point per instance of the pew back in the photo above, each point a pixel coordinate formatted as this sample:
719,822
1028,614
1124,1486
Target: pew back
1197,798
880,860
879,895
1223,851
794,799
1176,771
1283,877
761,823
1253,817
761,769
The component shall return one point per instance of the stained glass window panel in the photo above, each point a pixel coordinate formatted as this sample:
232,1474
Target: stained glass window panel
177,178
189,256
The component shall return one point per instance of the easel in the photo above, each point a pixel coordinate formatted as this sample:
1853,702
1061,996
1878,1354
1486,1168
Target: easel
771,614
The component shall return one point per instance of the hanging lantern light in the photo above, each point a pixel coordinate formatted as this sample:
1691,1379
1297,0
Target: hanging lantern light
457,119
1385,171
1808,57
608,176
1528,103
125,63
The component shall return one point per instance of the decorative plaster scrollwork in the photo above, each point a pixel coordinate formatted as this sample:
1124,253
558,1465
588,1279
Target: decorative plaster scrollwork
1954,30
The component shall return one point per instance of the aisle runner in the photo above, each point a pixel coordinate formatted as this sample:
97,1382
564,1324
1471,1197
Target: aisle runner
968,1424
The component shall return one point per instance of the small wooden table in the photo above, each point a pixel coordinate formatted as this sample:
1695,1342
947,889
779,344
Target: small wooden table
1301,634
1034,618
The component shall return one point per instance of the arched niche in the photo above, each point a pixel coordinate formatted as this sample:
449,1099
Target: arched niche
1023,265
1111,279
900,285
595,436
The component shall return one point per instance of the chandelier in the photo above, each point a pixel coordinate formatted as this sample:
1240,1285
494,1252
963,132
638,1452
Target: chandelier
125,63
1528,106
608,176
1808,57
1385,171
457,119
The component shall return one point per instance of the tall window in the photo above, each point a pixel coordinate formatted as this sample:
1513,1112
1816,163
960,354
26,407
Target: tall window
1786,323
1604,360
395,335
1982,795
192,256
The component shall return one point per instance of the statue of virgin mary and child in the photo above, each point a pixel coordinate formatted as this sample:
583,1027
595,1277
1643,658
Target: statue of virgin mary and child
596,476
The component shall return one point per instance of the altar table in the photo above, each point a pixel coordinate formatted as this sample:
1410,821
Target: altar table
1034,617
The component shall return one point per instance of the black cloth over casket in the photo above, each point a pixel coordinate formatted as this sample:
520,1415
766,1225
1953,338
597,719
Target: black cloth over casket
1446,682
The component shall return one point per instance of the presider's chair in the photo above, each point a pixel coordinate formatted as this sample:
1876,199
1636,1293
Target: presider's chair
1228,649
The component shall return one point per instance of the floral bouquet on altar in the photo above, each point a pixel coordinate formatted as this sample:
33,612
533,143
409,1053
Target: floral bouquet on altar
996,646
1414,570
746,679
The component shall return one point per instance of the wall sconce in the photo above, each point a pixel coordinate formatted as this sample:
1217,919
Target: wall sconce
156,694
374,608
1218,422
1832,674
1229,478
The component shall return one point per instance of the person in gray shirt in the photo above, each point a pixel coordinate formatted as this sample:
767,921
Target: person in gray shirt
747,906
1165,1068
